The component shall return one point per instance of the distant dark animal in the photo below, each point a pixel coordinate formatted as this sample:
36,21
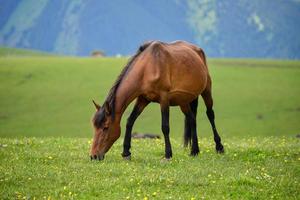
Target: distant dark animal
171,74
259,116
144,136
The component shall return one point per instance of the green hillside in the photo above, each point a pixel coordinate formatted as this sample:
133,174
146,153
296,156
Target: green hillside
51,96
17,52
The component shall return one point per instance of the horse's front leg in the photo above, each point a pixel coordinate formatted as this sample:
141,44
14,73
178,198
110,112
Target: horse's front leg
166,130
139,106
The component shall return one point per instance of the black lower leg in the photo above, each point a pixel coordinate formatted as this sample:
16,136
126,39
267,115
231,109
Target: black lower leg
166,130
195,146
211,116
187,132
127,139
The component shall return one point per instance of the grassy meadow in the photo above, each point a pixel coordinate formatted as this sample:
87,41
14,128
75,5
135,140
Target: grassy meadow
13,52
45,134
50,96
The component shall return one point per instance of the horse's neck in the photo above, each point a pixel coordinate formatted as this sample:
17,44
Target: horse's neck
126,93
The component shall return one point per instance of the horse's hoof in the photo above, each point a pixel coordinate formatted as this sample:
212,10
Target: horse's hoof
127,157
164,160
195,152
220,149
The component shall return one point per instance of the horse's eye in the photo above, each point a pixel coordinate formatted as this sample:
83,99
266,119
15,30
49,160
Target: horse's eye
105,128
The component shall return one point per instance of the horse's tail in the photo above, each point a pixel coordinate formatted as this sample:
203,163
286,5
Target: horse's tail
202,55
187,128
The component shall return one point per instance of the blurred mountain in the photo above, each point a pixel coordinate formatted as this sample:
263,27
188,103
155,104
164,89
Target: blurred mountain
231,28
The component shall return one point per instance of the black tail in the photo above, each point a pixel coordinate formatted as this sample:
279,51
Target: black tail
187,127
203,56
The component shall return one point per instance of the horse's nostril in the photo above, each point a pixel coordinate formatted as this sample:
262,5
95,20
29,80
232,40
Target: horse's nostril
95,157
91,157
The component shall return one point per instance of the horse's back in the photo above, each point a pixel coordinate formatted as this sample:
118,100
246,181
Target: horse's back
189,71
175,71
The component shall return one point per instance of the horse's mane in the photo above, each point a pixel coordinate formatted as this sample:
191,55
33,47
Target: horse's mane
111,97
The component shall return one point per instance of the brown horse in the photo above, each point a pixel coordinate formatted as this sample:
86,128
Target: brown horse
171,74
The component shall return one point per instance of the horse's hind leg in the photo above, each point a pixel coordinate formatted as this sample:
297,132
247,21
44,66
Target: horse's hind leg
165,112
187,133
139,106
211,116
187,126
190,115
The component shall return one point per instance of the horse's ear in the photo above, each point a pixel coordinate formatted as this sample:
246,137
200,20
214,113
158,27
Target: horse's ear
107,108
96,105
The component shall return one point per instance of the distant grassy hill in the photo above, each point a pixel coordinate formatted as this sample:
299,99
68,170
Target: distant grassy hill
6,51
51,96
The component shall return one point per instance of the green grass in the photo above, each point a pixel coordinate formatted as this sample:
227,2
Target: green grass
17,52
51,96
45,134
57,168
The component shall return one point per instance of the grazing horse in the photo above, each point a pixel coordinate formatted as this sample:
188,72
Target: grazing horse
171,74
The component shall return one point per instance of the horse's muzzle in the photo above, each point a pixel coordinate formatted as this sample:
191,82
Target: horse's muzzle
97,157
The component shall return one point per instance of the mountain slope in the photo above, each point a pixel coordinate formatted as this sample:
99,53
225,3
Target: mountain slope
232,28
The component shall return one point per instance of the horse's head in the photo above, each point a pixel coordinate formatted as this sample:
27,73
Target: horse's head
106,132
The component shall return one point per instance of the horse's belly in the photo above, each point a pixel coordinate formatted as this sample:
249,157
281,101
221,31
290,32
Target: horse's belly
152,96
189,80
175,98
180,97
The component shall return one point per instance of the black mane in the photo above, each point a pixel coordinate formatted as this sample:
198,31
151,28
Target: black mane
111,97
